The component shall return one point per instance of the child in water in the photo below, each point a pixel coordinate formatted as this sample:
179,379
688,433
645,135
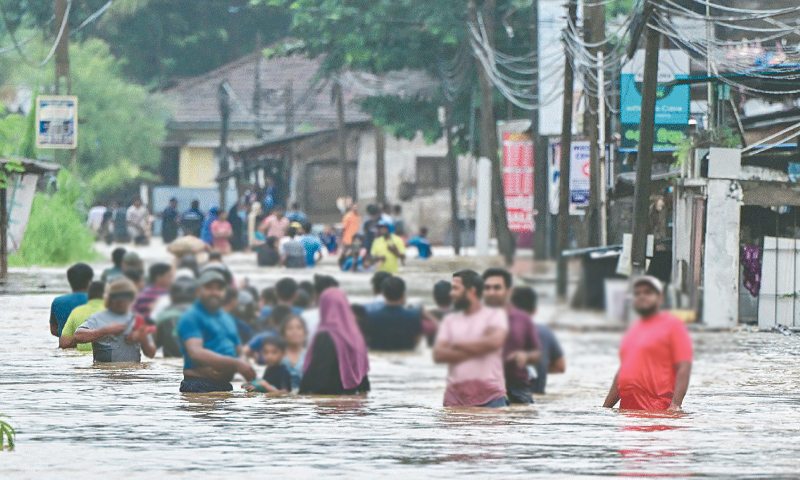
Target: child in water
277,378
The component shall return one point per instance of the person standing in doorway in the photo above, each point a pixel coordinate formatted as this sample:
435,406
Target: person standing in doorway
388,250
655,356
522,344
79,277
169,221
192,220
470,341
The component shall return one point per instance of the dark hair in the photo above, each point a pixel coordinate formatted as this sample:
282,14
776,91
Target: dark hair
361,314
524,298
116,256
279,314
271,241
268,296
373,210
96,290
133,275
184,290
508,280
291,232
79,276
157,270
307,286
423,231
324,282
188,262
285,323
398,209
230,294
196,204
295,206
275,341
471,279
215,255
378,279
286,289
302,300
441,293
307,227
393,289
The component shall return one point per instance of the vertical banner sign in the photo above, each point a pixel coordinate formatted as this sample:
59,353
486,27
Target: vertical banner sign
518,181
19,199
579,182
57,122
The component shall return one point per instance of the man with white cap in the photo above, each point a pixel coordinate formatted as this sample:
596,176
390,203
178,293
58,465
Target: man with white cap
209,340
655,355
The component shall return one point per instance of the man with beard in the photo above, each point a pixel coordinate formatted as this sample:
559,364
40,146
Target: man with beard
522,346
209,341
470,342
655,356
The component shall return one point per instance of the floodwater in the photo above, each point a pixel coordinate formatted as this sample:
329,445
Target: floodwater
74,420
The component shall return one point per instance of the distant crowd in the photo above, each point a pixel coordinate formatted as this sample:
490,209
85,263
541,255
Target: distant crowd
309,337
279,238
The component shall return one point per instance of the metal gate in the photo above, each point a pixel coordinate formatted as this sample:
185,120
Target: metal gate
778,300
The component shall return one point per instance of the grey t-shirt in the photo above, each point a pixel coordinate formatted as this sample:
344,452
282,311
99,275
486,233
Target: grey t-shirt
551,351
113,348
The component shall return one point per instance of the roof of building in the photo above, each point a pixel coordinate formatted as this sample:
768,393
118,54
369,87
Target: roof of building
34,166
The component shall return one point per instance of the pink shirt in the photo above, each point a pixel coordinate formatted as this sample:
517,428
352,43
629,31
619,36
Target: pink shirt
476,381
274,227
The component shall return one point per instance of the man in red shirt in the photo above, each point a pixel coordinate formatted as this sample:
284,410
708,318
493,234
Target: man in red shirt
655,356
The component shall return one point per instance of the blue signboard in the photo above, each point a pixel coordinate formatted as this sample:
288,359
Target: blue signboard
672,103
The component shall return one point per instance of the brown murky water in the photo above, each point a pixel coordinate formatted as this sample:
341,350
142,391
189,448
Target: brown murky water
78,421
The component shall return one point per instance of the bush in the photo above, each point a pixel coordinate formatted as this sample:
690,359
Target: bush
57,233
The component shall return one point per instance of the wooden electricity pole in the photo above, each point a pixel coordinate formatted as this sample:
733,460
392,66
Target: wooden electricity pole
224,114
452,162
380,165
596,19
342,135
540,167
563,175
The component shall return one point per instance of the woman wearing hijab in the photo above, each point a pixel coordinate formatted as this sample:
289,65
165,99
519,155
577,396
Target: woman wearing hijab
205,230
336,362
237,218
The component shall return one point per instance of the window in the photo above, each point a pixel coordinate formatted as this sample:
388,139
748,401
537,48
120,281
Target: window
432,172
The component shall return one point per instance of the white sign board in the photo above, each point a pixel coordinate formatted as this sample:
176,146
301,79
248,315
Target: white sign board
56,121
19,198
578,177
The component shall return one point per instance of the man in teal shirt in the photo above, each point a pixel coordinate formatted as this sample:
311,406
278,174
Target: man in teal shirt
79,277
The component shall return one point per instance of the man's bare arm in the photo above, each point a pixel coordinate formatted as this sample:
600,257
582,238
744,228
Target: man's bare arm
221,363
613,394
445,353
492,340
559,366
682,375
67,342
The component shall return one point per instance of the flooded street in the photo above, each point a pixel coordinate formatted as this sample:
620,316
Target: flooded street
79,421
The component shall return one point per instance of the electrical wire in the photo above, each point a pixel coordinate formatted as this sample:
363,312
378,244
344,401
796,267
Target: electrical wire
18,46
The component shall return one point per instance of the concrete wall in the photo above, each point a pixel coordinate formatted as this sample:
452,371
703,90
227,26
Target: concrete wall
197,167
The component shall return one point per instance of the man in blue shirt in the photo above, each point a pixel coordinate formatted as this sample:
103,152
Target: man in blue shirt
210,342
296,215
394,327
79,277
422,243
312,245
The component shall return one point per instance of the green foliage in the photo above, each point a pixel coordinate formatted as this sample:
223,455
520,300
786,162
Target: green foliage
120,176
722,137
7,434
57,233
28,147
12,129
404,118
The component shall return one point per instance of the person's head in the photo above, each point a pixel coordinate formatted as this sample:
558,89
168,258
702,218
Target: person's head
79,277
215,257
525,299
188,262
231,299
220,268
273,348
386,208
366,262
354,208
307,228
132,261
302,300
358,241
648,295
211,290
377,281
322,283
245,306
307,286
294,331
383,229
291,232
466,289
96,290
135,276
374,212
137,202
423,232
117,255
195,205
120,294
173,202
398,210
295,206
184,290
286,290
161,275
268,298
114,205
278,212
394,291
222,216
279,314
441,295
496,287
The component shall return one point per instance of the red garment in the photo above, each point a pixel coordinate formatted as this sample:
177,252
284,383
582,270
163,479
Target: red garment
648,354
522,336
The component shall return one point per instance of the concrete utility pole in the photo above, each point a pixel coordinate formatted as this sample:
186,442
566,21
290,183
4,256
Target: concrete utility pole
488,144
258,130
644,159
595,14
540,167
452,162
342,135
563,175
224,114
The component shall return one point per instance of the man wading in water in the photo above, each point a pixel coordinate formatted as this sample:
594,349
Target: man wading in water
655,356
210,342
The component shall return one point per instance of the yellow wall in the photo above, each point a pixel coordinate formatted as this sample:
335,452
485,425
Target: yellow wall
197,167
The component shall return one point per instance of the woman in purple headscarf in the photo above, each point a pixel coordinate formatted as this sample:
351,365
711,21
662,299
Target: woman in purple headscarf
336,363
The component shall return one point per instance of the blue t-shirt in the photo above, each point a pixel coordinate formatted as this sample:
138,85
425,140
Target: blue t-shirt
423,246
62,306
312,245
551,351
297,216
394,327
329,240
217,330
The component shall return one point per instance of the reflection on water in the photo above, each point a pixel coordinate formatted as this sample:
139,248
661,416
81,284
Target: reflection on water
741,418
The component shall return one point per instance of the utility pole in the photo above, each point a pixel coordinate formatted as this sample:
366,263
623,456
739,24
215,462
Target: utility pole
563,175
540,168
644,160
452,162
595,13
258,130
342,134
380,165
488,143
224,113
288,99
62,65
